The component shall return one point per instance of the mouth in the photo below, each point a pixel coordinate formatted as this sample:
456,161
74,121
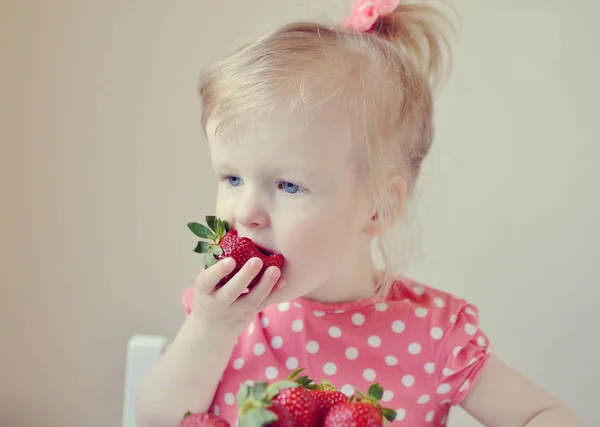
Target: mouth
265,251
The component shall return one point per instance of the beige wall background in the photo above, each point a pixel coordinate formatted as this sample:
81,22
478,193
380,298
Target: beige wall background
103,163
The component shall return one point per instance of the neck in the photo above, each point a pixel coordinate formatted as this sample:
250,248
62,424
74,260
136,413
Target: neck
356,281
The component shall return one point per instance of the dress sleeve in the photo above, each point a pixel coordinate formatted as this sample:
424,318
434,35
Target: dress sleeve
462,354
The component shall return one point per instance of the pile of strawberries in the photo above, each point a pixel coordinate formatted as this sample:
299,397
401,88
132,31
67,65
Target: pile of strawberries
299,402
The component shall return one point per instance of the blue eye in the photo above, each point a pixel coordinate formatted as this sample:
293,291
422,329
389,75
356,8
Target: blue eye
234,181
290,188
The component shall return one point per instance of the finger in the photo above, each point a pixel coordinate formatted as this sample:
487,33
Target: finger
261,291
275,297
238,283
209,278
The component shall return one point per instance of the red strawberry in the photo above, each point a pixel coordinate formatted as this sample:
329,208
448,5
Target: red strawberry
257,410
327,396
299,401
226,243
202,419
360,411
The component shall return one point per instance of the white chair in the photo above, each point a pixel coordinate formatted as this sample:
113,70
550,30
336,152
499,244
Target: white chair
143,351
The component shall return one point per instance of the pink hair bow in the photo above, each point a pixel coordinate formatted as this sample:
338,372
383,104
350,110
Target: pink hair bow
366,12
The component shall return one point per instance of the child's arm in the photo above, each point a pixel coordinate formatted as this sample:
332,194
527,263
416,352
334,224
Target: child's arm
189,372
186,377
501,397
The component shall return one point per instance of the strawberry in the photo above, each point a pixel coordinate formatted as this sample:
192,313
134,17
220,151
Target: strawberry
360,411
327,396
256,409
225,242
293,393
202,419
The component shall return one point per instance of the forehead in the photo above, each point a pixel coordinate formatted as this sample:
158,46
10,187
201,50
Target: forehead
285,141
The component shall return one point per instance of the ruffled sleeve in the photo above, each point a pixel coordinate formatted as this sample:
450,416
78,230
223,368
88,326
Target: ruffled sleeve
462,354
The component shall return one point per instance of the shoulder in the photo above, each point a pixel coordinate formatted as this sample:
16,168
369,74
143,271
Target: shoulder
447,329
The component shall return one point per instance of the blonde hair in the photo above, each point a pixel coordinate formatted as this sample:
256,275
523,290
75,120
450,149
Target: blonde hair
383,79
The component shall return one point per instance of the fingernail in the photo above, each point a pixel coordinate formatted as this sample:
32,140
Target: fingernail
254,262
273,273
229,263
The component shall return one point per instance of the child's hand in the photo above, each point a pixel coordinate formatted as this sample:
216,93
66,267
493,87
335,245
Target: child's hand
228,309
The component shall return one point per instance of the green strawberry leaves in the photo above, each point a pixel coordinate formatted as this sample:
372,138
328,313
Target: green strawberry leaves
376,392
253,402
257,417
214,231
202,231
388,414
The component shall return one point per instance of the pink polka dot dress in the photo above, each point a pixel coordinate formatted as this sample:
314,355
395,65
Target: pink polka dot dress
422,345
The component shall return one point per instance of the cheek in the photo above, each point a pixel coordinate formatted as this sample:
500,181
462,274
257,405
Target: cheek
224,207
311,244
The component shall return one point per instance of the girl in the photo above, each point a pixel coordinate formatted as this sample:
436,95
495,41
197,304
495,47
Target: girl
318,134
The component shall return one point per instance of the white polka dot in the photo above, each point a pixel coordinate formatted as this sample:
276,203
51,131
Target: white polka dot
259,349
347,389
446,401
329,368
439,302
447,372
369,374
444,420
453,318
374,341
398,326
358,319
408,380
423,399
297,325
283,306
251,328
400,414
335,332
312,347
481,342
340,311
229,398
271,372
470,311
216,410
443,388
414,348
387,396
419,290
381,306
276,342
391,360
473,360
249,383
291,363
470,329
319,313
264,321
429,417
465,386
437,333
430,368
421,312
296,304
238,363
457,350
351,353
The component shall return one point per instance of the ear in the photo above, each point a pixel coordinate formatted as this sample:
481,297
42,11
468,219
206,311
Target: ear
392,201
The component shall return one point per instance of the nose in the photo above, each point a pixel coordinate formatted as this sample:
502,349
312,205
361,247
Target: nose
250,212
